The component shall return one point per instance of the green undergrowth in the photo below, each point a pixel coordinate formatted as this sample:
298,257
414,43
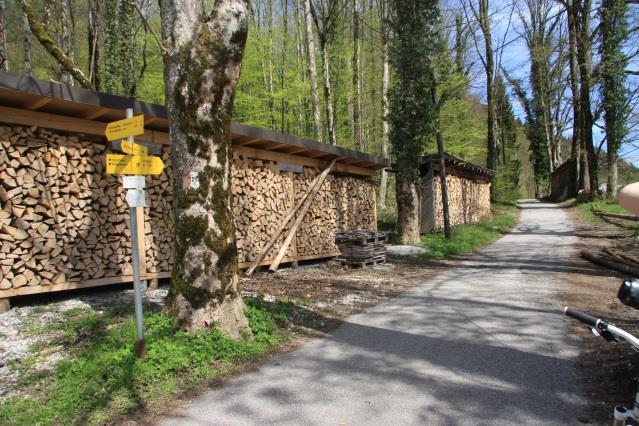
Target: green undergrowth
101,379
585,209
585,212
468,238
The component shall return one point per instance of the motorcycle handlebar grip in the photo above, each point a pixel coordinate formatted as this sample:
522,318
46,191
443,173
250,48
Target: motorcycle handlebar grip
581,316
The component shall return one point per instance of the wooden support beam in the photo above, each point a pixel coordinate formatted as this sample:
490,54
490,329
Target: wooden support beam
121,279
5,305
295,150
20,117
282,226
37,103
273,145
247,142
262,154
302,211
267,262
95,113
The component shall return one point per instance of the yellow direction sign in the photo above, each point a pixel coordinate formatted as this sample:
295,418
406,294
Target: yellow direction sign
124,128
117,164
134,148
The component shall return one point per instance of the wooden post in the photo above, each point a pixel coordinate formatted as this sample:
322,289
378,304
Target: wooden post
142,244
291,194
153,284
5,305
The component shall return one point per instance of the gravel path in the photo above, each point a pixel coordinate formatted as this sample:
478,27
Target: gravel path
482,343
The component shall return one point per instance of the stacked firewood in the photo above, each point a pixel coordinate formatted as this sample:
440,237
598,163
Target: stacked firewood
262,196
361,247
63,219
468,201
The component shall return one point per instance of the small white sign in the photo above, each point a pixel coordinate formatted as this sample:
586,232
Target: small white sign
133,182
135,198
195,180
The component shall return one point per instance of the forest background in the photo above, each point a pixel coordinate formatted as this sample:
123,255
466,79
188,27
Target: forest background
320,69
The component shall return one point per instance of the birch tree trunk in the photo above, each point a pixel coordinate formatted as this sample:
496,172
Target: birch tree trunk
4,60
357,92
93,45
328,96
27,50
65,42
312,70
385,127
202,67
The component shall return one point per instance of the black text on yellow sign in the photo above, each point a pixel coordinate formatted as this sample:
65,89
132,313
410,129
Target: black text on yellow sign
124,128
117,164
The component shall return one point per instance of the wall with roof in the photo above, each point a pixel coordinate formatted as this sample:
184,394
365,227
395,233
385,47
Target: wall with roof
64,222
468,201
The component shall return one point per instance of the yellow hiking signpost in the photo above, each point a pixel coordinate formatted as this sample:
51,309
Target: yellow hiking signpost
124,128
138,164
134,148
118,164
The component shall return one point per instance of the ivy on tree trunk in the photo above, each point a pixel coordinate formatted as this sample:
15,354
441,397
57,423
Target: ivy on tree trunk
202,67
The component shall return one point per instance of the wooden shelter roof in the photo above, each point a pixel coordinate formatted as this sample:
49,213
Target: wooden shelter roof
456,166
32,102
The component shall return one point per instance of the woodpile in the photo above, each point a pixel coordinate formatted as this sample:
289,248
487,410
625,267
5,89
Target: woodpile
468,201
62,219
262,197
361,247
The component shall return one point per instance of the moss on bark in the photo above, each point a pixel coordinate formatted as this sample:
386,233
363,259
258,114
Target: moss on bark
200,100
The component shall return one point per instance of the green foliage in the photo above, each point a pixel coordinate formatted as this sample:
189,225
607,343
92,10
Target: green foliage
467,238
609,206
614,32
102,364
414,47
463,123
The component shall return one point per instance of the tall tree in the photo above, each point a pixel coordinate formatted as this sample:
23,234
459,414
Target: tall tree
589,160
4,60
481,14
312,69
66,30
411,116
357,89
202,67
27,49
325,15
612,68
93,45
384,36
38,28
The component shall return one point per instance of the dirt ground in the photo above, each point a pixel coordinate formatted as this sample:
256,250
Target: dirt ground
325,293
606,369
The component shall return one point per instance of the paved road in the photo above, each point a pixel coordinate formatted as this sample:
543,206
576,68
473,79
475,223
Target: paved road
482,343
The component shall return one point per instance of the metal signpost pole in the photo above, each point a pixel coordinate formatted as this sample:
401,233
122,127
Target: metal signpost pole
135,198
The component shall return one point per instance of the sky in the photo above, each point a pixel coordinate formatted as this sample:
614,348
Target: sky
506,33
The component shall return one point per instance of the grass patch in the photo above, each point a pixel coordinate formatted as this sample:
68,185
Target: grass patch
102,379
467,238
585,213
609,206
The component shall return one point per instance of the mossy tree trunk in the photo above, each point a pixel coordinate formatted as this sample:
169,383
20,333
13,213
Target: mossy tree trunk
202,67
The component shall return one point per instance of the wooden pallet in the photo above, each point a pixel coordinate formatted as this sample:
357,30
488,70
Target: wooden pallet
360,237
363,263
